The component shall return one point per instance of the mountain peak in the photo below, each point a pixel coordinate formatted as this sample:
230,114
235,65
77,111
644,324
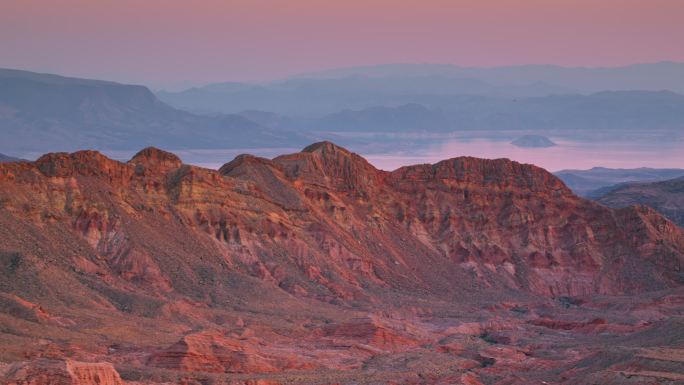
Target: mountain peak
153,157
86,162
499,173
327,164
325,146
244,160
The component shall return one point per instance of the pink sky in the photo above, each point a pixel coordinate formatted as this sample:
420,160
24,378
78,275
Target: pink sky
171,42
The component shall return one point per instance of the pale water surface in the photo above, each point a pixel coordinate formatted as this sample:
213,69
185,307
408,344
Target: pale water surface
567,154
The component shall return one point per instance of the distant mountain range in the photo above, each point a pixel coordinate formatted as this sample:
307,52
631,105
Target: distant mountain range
535,78
316,97
41,112
437,98
408,117
533,141
356,88
605,111
7,158
665,196
607,115
597,181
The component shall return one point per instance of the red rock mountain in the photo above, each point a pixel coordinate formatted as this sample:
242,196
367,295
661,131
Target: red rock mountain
316,267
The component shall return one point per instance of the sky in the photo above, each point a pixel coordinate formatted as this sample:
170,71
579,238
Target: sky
175,43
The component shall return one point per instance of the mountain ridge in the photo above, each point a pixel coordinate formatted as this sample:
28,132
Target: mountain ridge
667,197
318,265
44,112
587,183
659,72
322,165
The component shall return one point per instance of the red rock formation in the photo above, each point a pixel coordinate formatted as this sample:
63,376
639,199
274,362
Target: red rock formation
212,351
158,259
372,332
57,372
328,210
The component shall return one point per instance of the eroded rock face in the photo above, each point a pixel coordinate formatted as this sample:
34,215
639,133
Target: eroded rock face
213,351
333,223
318,263
59,372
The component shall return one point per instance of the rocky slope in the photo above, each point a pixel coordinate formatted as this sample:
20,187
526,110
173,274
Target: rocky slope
667,197
315,267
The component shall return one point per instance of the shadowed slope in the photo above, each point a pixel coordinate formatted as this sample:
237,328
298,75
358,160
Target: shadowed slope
667,197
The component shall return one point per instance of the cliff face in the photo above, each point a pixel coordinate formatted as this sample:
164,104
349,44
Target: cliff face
309,234
58,372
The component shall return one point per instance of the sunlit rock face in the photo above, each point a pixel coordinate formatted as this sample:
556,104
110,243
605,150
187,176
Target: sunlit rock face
315,267
62,372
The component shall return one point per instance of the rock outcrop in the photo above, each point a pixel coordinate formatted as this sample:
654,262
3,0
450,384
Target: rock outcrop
62,372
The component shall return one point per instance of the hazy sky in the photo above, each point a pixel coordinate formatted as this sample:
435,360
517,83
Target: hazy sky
177,42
